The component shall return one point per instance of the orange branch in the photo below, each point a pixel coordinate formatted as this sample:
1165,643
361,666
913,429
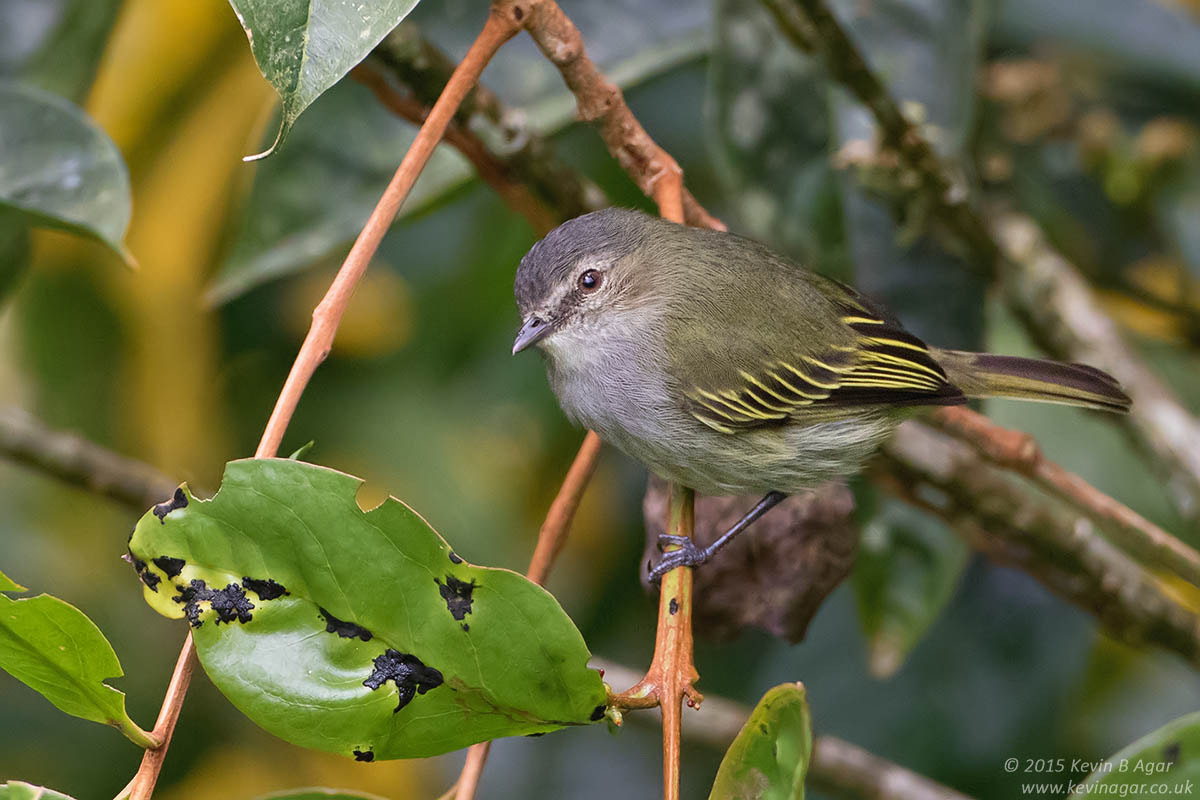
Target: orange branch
142,785
1020,453
499,28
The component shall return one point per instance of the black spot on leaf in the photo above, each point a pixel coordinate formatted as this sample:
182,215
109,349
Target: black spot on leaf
266,590
149,578
230,603
139,566
178,500
171,566
466,627
457,595
454,559
346,630
535,735
1172,752
364,755
764,729
408,672
673,607
597,713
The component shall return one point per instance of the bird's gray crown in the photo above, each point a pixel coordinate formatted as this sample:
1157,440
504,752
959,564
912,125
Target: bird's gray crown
612,232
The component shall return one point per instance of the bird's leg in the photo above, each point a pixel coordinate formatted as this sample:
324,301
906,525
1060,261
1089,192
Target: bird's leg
689,555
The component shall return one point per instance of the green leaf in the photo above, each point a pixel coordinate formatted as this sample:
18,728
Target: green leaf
360,633
303,48
57,47
769,758
907,568
54,649
319,793
59,169
1163,763
19,790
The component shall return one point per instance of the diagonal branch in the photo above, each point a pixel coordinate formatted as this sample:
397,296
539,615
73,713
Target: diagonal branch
498,29
1019,452
1047,293
1056,545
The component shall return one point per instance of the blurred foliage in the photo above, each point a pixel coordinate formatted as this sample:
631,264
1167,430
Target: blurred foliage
1085,117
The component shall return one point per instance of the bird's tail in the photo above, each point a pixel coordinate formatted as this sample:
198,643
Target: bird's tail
988,375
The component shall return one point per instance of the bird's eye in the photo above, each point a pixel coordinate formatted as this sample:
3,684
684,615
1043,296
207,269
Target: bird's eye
590,280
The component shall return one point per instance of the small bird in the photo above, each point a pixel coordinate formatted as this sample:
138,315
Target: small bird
730,369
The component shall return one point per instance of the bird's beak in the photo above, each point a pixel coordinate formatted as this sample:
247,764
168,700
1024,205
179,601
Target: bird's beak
534,329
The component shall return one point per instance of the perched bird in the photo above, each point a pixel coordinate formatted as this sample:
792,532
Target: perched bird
728,368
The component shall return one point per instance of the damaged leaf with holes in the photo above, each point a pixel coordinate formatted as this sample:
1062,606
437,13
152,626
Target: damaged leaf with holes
359,633
769,758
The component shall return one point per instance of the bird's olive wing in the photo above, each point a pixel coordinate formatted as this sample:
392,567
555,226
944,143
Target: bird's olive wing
879,364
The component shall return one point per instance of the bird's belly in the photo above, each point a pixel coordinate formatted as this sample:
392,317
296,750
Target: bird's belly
646,425
788,459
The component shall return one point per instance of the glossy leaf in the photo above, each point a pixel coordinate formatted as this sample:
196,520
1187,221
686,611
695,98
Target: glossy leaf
1163,763
907,568
19,790
58,169
55,44
360,633
769,758
54,649
303,47
319,793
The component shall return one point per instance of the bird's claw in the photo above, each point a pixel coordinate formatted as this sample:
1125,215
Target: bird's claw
688,555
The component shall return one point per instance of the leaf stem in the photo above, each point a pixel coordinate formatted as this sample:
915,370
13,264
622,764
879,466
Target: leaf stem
134,733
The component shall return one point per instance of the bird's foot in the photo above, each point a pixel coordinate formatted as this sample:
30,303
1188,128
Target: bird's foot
688,555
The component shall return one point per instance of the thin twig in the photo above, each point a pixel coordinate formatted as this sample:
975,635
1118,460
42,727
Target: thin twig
1047,293
498,29
1058,546
551,537
327,315
672,674
601,103
142,786
1019,452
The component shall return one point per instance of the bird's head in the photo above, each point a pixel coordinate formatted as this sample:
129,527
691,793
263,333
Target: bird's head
573,285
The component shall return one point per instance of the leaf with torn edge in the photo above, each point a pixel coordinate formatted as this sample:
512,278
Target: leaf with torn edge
360,633
1165,762
58,169
769,758
19,790
54,649
303,48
